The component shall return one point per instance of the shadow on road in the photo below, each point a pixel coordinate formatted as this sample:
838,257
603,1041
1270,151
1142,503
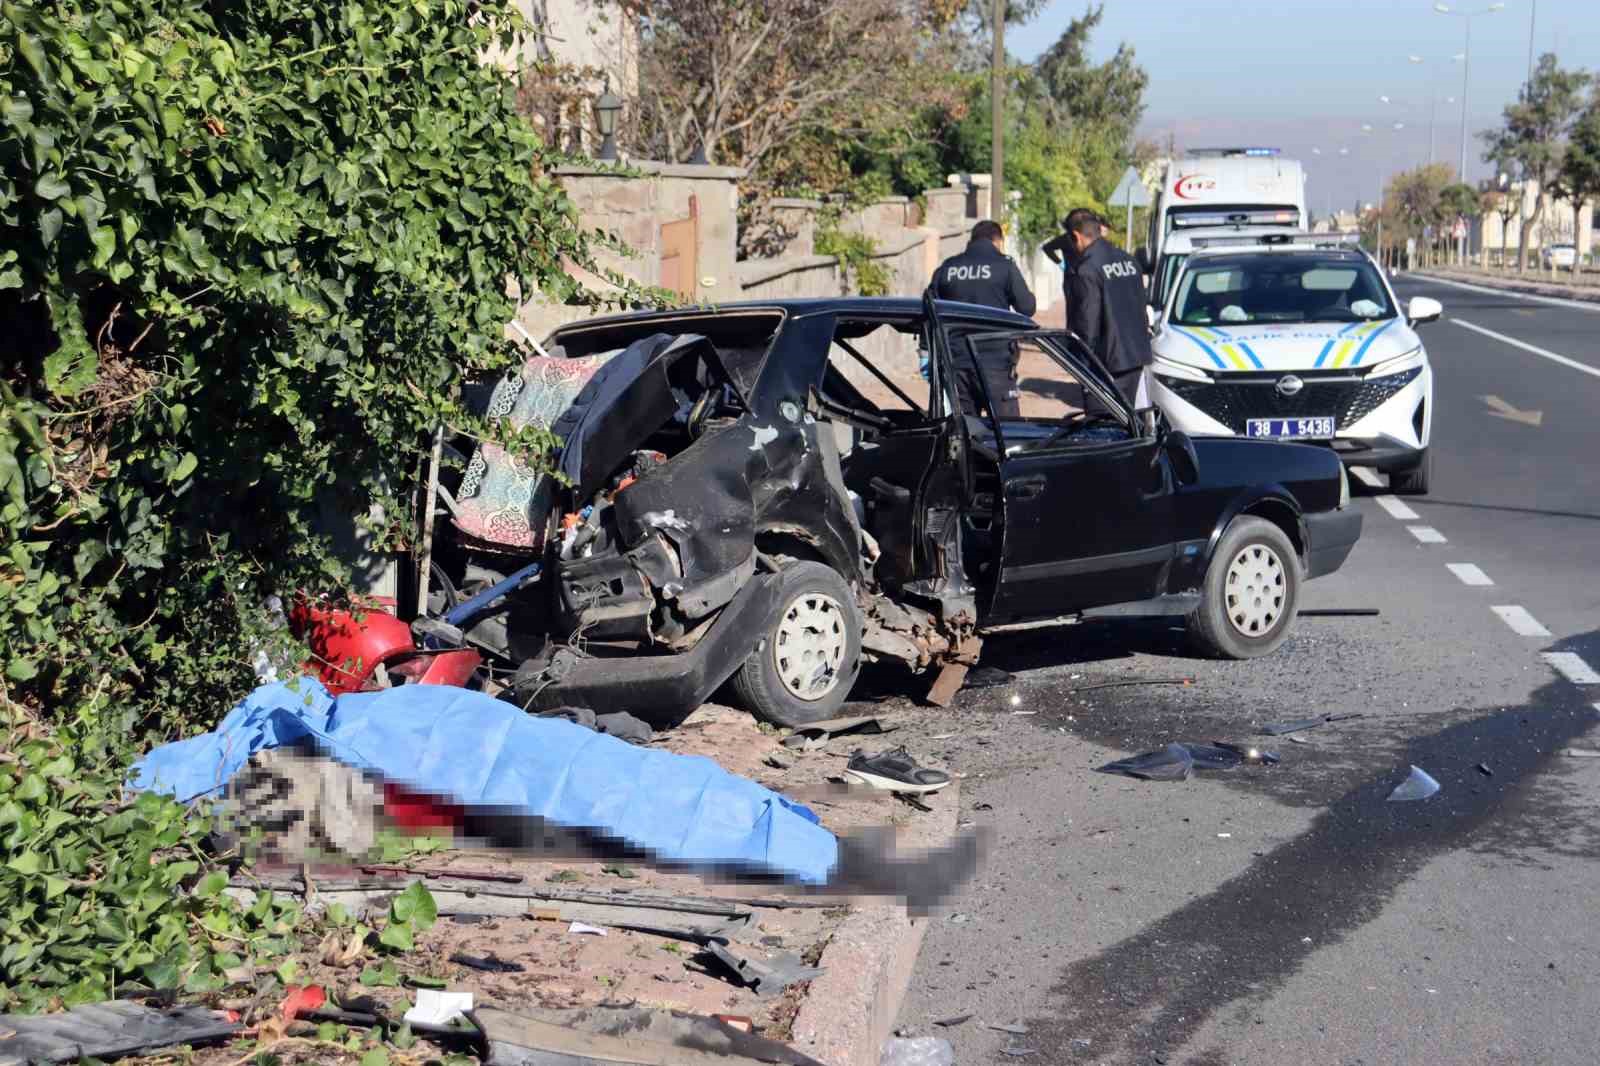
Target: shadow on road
1432,501
1151,992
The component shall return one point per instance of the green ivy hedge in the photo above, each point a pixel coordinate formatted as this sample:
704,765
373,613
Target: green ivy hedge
249,252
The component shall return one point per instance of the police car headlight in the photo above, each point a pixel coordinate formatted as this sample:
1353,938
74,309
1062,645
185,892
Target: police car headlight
1167,368
1399,364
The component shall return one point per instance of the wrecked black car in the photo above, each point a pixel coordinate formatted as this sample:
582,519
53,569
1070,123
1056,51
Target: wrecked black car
766,496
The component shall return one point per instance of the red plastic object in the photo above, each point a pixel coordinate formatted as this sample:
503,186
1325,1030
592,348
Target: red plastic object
347,646
454,667
300,1001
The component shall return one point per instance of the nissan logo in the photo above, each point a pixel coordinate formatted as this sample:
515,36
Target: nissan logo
1289,385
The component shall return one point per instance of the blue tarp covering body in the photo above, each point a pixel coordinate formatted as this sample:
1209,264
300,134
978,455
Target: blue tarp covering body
481,752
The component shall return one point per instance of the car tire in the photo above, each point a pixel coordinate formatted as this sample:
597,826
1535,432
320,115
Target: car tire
816,628
1252,590
1413,482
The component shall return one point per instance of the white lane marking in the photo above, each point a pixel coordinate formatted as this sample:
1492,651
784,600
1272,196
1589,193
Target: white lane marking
1521,622
1469,574
1525,346
1427,535
1367,477
1397,509
1572,667
1555,301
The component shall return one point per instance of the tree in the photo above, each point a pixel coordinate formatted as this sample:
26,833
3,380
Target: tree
1458,200
1532,133
1580,163
738,79
1108,98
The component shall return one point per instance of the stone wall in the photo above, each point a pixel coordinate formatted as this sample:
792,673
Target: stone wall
631,203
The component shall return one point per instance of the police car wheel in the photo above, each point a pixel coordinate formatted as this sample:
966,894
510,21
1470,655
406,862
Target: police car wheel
1412,482
807,662
1251,593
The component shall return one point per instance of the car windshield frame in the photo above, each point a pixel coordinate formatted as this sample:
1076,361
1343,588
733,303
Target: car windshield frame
1280,264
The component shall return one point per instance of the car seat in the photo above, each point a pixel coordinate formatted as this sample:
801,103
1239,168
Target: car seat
504,502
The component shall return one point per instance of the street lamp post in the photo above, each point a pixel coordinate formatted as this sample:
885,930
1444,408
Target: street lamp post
1433,99
1466,69
1366,127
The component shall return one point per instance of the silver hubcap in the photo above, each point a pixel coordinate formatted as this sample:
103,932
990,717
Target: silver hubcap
809,645
1256,590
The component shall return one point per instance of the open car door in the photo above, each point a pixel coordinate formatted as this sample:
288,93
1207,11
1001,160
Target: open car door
1086,500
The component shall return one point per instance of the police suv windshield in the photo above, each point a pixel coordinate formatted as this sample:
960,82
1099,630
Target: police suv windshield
1280,287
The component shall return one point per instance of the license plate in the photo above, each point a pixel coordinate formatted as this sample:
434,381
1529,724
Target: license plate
1291,428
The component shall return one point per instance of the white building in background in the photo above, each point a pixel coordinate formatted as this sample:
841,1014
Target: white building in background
1558,224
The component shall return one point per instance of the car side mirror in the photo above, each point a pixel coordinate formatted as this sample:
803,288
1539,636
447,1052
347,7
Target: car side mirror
1423,309
1143,258
1185,460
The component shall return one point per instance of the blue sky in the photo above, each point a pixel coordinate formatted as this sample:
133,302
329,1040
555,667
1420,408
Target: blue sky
1304,74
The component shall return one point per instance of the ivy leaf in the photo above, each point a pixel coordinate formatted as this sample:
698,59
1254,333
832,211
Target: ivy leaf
211,885
105,245
397,935
50,225
184,468
51,187
17,110
416,906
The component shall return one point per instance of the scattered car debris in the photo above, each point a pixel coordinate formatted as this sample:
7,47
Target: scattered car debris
1172,763
1278,729
1176,761
638,1036
1339,612
895,771
816,734
1014,1030
1018,1052
917,1051
585,929
487,963
779,759
767,977
1417,786
1132,681
1581,753
619,724
106,1031
986,677
435,1007
1483,768
947,1023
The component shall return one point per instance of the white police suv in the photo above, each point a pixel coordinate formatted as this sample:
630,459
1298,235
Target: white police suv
1298,338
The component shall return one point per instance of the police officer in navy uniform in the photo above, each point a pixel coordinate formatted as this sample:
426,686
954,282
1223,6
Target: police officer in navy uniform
984,274
1105,306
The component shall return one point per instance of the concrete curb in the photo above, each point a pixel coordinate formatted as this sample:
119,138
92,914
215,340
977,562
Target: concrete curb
851,1009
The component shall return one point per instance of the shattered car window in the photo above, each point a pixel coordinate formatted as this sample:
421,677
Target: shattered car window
876,366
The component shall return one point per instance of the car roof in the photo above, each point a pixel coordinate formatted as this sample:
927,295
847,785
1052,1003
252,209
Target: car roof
904,307
1336,255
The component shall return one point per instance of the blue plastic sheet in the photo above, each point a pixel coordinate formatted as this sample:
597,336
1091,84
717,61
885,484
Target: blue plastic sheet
481,752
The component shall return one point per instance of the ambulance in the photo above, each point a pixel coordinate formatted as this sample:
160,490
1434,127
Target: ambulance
1209,192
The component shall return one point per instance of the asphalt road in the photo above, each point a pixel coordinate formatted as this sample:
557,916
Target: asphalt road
1290,912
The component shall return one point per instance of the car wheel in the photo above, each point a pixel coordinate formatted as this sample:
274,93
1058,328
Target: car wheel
1413,482
805,666
1252,590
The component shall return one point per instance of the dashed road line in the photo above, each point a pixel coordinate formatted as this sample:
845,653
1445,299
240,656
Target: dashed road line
1525,346
1469,574
1572,667
1397,509
1521,622
1367,477
1427,535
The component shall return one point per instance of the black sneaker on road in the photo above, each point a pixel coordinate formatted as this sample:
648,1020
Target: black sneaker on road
895,771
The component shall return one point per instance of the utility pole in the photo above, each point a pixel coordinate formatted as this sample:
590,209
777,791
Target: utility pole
997,91
1533,18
